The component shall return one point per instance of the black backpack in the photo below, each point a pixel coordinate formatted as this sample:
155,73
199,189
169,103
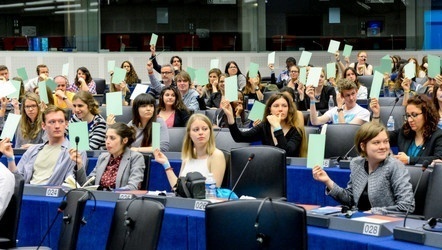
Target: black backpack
191,186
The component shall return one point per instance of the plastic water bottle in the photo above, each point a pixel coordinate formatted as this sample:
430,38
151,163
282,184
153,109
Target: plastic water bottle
390,123
210,187
331,103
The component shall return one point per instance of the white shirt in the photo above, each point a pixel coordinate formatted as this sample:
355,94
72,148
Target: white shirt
7,185
196,165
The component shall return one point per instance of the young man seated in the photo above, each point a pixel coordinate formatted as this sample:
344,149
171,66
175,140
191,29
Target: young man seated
48,163
347,110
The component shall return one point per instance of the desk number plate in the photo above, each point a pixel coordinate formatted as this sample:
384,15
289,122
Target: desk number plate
371,229
200,205
125,197
52,192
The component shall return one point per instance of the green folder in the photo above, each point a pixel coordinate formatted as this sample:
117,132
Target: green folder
347,50
253,70
17,85
201,77
378,80
433,66
153,39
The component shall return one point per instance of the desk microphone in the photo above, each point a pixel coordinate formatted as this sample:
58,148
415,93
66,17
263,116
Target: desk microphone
60,209
252,155
394,105
424,167
77,140
344,160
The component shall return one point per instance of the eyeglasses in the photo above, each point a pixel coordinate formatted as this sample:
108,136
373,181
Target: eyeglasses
232,67
412,116
294,71
166,73
30,107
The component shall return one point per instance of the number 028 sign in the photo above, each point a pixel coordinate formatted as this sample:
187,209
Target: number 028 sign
371,229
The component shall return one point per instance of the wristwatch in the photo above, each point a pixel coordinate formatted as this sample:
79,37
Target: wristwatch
341,109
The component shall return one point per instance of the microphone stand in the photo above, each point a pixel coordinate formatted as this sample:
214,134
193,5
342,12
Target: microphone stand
60,209
252,155
424,167
77,140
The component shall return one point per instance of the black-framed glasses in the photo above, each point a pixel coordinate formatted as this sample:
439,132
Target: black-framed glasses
412,116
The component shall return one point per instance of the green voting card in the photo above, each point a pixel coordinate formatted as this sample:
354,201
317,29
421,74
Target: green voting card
331,70
385,66
10,126
80,130
231,88
333,46
110,65
313,76
153,39
316,150
191,72
17,85
65,70
201,77
433,66
410,70
51,84
271,58
156,135
119,75
257,112
22,73
253,70
214,63
347,50
376,85
114,103
42,92
302,75
305,58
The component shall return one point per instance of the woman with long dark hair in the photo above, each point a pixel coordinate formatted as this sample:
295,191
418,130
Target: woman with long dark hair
144,113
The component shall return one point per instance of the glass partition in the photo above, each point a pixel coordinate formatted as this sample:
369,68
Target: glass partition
219,25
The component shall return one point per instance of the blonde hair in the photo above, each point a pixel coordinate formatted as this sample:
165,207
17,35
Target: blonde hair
188,150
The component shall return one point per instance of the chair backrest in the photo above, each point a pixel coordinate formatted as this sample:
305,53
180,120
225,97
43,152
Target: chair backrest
389,101
433,201
306,115
267,95
224,140
136,224
342,135
265,175
367,82
210,113
231,225
226,178
311,130
125,118
76,201
11,217
419,197
397,112
100,85
145,182
176,138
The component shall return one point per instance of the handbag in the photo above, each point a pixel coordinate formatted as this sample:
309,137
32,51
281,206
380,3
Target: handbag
193,185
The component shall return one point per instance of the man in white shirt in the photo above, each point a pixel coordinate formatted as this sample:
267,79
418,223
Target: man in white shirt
347,110
43,75
7,182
